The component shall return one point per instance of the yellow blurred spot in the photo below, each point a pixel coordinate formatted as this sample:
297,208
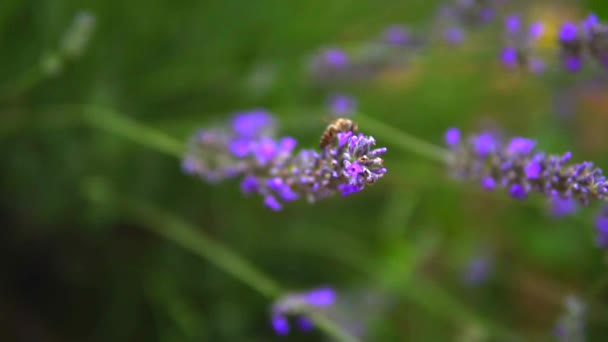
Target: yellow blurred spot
551,17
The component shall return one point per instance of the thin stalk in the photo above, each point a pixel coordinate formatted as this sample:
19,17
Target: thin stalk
196,241
403,140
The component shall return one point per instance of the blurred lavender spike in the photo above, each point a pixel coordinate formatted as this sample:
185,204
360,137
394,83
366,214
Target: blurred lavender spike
299,304
570,326
521,169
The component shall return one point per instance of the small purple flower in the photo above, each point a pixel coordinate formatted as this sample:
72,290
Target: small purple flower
453,35
488,183
601,225
252,124
536,30
272,203
342,105
396,35
452,136
321,297
334,58
533,170
517,191
509,57
485,144
568,32
512,23
520,145
478,270
562,206
249,184
572,63
280,324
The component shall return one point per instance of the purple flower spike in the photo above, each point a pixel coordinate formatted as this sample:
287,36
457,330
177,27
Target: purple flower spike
270,167
452,136
521,169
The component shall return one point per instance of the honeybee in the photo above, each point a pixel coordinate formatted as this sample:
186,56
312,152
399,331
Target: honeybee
337,126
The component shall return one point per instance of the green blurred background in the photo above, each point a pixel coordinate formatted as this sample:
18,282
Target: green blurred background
80,260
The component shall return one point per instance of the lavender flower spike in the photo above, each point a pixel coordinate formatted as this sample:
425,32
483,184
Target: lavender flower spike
520,168
298,305
346,163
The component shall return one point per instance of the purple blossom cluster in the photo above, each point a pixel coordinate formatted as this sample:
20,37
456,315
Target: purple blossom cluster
520,168
579,41
517,52
298,305
272,168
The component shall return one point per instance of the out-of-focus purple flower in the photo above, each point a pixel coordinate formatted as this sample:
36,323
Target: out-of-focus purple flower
452,136
477,270
396,35
570,326
512,23
518,50
521,169
521,145
342,105
253,124
299,305
601,226
488,183
568,32
335,58
572,63
321,297
485,144
562,206
509,57
453,35
517,191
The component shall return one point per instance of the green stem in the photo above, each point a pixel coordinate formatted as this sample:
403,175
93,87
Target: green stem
188,237
403,140
132,130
